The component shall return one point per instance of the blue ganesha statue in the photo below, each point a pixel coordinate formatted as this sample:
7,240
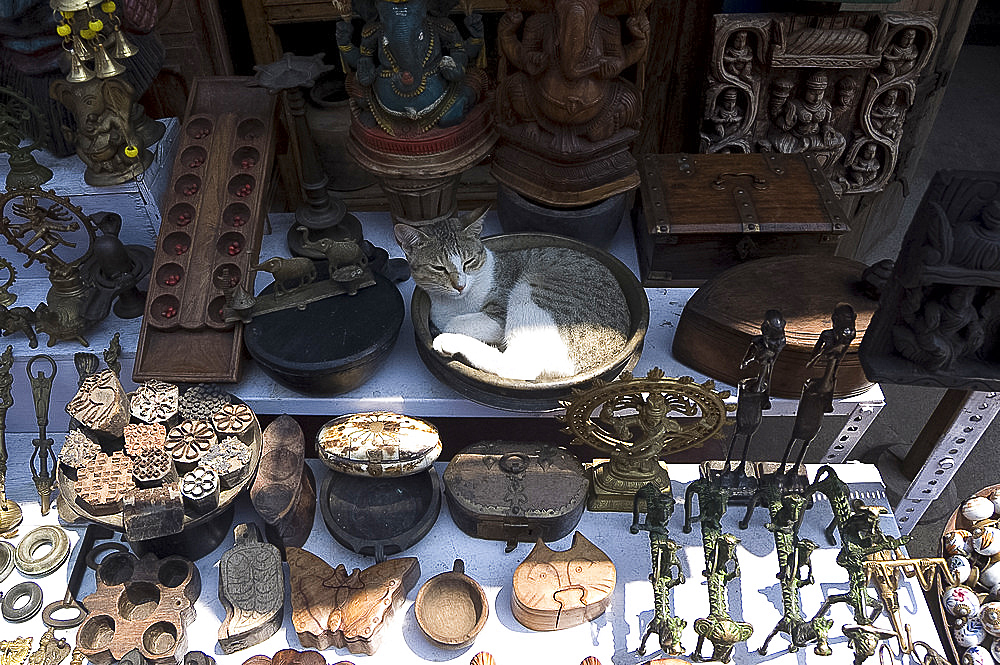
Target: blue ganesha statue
413,68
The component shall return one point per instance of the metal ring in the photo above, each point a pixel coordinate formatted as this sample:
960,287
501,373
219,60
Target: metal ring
41,356
98,550
43,565
6,560
30,609
60,605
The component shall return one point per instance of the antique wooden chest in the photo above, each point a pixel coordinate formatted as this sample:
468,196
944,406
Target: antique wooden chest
700,214
513,491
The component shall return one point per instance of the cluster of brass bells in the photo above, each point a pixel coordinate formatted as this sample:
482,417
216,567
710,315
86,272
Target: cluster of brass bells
86,45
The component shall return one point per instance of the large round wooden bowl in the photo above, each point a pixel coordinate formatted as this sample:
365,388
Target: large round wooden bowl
514,395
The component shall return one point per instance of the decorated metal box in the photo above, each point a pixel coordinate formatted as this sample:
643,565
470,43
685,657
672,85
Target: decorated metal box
513,491
378,443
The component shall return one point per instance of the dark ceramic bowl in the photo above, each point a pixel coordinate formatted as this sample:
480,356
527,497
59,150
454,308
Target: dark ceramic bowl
296,347
533,396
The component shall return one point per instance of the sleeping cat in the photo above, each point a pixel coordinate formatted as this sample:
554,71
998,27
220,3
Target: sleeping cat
529,314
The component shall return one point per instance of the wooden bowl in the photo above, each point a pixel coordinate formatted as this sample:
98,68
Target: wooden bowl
451,608
533,396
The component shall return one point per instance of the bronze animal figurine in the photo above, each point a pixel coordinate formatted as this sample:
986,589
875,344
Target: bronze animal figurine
298,271
346,261
19,319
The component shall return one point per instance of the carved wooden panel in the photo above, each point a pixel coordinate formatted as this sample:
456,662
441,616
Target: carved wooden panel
836,86
938,321
333,608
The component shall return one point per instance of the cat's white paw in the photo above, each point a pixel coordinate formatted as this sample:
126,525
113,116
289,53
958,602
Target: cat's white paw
451,344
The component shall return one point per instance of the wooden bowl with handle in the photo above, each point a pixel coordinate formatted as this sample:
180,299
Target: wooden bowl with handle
451,608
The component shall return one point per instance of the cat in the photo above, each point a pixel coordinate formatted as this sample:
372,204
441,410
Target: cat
529,314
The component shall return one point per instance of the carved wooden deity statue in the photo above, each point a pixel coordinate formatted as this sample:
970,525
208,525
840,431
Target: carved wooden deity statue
567,111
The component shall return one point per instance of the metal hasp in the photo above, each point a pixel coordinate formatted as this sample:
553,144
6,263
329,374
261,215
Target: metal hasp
43,460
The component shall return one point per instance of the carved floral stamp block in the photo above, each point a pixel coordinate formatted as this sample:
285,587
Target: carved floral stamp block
202,401
102,483
140,436
233,419
153,467
228,458
200,489
155,401
100,404
153,512
77,450
189,441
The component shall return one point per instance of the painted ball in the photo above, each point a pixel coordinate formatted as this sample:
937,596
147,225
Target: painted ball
977,655
986,540
961,568
969,631
958,541
989,616
960,601
977,508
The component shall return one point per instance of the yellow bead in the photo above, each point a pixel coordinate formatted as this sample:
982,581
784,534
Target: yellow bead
96,25
87,33
64,30
131,151
108,7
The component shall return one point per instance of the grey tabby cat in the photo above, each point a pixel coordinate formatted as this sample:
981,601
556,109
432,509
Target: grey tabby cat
531,314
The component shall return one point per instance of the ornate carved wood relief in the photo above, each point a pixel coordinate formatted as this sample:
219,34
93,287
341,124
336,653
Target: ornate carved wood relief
938,320
836,86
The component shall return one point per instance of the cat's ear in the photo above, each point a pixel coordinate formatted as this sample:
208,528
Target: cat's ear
473,222
408,237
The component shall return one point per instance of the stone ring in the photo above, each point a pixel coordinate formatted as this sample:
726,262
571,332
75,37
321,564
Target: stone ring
16,593
6,560
98,550
24,557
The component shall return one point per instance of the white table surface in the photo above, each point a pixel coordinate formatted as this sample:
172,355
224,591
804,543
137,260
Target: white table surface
612,638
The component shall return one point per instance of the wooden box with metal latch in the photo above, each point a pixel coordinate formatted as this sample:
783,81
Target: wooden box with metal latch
701,214
515,492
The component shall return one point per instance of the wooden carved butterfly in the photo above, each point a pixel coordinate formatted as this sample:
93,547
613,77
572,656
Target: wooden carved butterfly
333,608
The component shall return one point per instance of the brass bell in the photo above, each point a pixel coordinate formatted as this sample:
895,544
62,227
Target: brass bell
78,72
122,47
104,65
82,49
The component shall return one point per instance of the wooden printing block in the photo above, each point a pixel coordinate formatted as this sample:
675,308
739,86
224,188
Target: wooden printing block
333,608
100,404
252,589
77,450
145,604
284,492
153,467
229,458
139,436
155,402
233,419
152,512
290,657
103,482
200,402
576,585
188,442
200,489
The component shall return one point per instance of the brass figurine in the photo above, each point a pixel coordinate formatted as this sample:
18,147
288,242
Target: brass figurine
663,553
634,428
51,650
883,570
24,171
10,512
6,297
753,398
14,652
113,134
718,627
43,460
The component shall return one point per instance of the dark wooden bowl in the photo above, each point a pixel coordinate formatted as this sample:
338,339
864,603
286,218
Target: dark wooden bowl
296,348
451,608
534,396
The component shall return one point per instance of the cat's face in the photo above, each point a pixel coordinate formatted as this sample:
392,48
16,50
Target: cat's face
446,258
